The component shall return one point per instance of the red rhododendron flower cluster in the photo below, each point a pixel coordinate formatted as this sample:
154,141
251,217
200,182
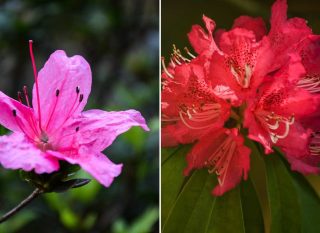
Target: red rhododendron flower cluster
247,82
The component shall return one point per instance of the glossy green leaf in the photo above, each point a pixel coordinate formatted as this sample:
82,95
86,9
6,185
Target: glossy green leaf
191,210
273,199
197,210
309,203
283,198
172,178
252,213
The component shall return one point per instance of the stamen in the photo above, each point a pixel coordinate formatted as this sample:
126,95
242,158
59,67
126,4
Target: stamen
53,108
274,126
25,91
74,107
172,63
77,89
36,81
77,129
14,112
178,55
176,60
235,74
247,76
19,97
165,68
310,83
188,52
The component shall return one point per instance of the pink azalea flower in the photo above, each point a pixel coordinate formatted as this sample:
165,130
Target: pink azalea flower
57,128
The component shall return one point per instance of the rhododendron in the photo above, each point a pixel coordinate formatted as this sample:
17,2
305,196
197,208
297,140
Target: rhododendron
247,83
56,128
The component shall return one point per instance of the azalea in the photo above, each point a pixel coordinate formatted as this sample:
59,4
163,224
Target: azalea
247,83
56,128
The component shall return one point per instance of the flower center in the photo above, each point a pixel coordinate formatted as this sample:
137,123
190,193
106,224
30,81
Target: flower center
43,142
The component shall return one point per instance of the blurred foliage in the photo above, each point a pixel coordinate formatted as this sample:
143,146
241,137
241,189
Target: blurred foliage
120,40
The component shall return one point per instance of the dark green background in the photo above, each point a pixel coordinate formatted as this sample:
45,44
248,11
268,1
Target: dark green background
179,16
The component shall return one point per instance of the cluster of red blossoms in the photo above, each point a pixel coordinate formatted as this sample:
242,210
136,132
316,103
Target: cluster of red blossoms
247,82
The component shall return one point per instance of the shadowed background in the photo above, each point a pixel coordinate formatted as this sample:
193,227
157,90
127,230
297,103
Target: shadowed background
179,16
120,41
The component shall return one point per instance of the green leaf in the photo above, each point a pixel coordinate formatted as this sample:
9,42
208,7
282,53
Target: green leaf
197,210
172,178
191,210
295,206
273,199
252,213
283,199
309,203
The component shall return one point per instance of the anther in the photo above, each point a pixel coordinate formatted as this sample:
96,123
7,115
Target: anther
81,98
14,112
77,129
57,92
77,89
25,90
19,96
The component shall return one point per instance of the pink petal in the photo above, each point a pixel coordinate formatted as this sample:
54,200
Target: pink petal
236,161
256,131
201,40
98,129
306,165
297,142
255,25
179,133
24,116
285,33
95,163
16,152
61,74
279,13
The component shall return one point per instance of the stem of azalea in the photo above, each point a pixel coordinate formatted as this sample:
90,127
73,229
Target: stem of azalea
22,204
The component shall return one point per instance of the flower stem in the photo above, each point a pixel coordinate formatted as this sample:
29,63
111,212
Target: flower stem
22,204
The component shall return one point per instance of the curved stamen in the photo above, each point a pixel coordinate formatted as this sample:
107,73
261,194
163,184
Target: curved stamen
310,83
165,68
188,52
53,108
20,125
36,81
